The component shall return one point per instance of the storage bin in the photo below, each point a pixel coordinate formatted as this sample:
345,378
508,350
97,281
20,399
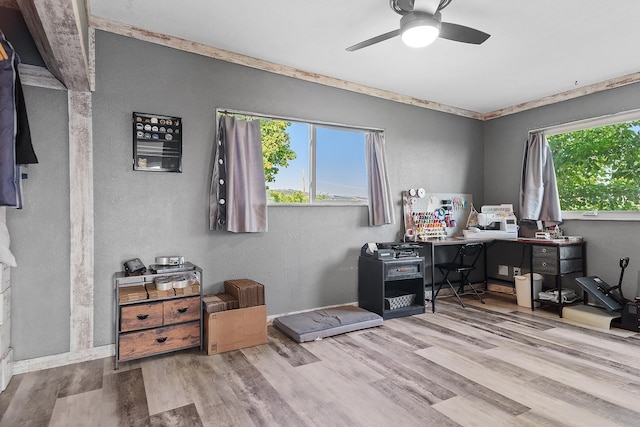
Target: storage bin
395,299
523,288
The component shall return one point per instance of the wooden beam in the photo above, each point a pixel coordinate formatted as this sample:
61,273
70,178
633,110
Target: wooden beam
566,95
32,75
81,215
236,58
56,31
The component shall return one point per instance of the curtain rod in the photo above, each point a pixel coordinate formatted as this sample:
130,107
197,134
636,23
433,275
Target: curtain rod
293,119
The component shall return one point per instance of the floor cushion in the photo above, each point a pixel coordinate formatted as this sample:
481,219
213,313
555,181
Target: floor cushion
326,322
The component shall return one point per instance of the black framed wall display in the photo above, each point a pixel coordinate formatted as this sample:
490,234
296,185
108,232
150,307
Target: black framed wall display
157,143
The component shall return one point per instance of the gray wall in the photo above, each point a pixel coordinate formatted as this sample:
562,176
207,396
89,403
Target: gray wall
307,259
40,234
504,138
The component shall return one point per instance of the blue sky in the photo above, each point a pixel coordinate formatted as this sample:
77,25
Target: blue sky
340,161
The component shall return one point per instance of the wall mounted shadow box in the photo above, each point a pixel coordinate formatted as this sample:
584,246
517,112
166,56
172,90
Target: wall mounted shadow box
157,143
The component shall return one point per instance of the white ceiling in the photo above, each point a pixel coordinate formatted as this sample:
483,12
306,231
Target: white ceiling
536,49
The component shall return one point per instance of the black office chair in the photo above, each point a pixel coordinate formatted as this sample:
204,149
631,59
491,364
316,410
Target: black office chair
463,264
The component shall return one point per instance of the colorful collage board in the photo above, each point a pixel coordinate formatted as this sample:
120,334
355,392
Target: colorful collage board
434,216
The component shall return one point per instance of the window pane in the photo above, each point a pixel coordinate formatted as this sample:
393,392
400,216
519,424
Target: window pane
291,183
304,158
598,168
341,174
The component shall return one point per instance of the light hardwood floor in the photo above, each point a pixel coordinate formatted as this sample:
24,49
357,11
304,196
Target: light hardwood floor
484,365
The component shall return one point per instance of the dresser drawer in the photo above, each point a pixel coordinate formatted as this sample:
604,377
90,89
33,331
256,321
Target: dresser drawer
140,316
549,265
565,252
159,340
181,310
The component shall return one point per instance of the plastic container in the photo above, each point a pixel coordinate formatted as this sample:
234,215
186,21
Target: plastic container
523,288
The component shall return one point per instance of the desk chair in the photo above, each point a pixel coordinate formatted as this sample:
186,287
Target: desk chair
463,264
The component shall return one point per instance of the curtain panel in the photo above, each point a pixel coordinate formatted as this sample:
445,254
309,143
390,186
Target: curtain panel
238,199
380,201
539,199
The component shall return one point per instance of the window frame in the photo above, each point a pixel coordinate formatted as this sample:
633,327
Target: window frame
600,121
312,152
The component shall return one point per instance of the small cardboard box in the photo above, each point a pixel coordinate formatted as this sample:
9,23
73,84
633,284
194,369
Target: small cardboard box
234,329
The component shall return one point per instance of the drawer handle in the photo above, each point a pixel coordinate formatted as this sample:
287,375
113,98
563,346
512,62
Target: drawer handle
161,340
142,316
544,264
182,310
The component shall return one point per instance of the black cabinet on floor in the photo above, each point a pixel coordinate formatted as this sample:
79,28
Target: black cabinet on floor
391,288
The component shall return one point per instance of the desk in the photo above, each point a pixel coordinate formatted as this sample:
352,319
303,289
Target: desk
560,258
448,242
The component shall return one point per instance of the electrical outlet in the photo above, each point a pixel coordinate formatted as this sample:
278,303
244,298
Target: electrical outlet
516,271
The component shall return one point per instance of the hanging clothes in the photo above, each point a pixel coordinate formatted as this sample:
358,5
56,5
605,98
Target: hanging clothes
539,199
16,148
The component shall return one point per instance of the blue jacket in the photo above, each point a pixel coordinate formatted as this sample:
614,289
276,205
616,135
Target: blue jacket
15,137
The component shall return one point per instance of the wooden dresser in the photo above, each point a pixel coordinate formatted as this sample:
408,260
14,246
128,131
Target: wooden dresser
150,322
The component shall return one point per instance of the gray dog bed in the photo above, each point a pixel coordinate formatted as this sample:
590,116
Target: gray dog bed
313,325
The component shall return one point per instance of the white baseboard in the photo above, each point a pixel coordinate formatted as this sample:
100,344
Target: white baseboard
6,369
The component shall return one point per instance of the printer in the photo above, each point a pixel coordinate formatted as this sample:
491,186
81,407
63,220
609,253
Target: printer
494,222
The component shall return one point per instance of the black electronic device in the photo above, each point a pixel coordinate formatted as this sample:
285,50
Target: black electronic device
134,266
612,298
386,251
159,268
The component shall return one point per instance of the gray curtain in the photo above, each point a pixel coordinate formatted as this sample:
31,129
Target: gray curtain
539,200
238,200
380,202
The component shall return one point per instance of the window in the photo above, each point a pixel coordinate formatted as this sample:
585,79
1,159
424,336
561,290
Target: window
313,163
597,165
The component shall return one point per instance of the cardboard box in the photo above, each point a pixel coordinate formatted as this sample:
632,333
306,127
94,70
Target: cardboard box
234,329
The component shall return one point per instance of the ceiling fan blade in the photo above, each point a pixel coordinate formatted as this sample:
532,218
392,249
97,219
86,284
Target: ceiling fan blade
460,33
374,40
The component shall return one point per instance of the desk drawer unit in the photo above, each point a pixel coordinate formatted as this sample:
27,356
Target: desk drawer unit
159,340
140,316
181,310
557,260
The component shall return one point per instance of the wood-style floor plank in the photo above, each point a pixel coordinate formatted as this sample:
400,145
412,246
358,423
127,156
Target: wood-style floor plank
124,399
184,416
564,413
493,364
34,400
82,409
306,397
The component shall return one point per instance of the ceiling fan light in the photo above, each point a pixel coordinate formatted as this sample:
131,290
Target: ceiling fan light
419,29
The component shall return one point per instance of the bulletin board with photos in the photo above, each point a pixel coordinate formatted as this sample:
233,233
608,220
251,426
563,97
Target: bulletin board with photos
157,143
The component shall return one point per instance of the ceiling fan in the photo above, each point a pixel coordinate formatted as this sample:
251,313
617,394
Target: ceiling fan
421,24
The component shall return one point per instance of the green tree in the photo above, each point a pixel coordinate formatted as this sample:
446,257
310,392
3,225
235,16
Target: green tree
276,147
598,168
296,196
